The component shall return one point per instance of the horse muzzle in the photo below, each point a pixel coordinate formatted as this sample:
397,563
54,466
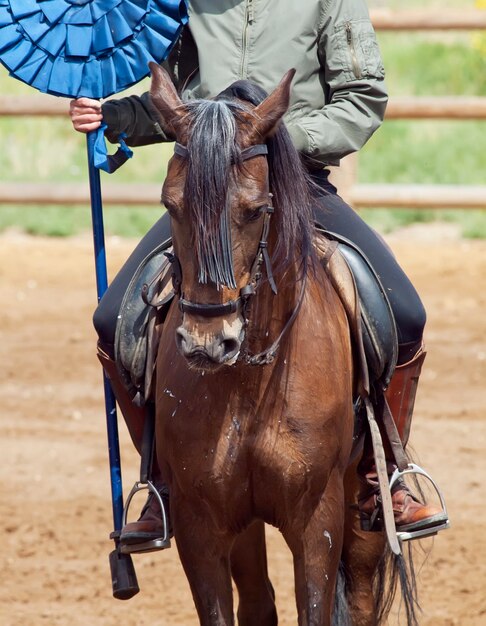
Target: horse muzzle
210,351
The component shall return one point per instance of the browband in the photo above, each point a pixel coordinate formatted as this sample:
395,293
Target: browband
247,153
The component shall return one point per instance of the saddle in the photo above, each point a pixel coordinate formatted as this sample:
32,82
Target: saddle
149,295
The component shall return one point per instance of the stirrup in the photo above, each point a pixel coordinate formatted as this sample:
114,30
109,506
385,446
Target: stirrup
155,544
442,519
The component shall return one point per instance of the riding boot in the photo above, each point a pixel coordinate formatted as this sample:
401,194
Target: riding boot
149,526
409,512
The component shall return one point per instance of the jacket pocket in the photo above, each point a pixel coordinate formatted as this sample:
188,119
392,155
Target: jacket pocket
357,50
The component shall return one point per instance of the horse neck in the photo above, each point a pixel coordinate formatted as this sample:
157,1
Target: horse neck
270,312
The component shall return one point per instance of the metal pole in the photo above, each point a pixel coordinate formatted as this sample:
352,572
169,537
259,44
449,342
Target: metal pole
101,286
123,576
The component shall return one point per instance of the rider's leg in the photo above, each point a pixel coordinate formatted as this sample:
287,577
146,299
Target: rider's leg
409,513
335,215
105,316
402,389
149,526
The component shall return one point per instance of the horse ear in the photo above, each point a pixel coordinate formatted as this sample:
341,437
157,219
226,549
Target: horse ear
272,109
166,101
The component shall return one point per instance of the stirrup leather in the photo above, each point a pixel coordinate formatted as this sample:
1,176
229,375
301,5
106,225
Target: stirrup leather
438,523
154,544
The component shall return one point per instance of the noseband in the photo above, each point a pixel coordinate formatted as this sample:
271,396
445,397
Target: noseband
232,306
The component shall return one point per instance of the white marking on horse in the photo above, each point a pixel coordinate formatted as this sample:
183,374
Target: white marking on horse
327,535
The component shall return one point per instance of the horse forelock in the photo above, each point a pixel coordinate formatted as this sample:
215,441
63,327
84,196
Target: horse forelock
212,151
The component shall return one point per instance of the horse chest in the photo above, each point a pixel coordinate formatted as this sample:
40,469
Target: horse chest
229,461
227,439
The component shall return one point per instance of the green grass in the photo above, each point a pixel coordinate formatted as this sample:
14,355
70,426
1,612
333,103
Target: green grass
429,152
472,223
433,64
63,221
440,152
436,152
49,150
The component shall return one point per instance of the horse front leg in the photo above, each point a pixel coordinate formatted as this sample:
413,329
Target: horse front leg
316,544
204,552
361,556
249,570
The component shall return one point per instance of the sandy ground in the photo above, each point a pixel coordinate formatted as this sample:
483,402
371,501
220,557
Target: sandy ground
55,514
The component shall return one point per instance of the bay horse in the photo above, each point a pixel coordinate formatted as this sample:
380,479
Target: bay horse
254,409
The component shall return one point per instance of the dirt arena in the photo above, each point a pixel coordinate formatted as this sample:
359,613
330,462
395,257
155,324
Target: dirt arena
55,513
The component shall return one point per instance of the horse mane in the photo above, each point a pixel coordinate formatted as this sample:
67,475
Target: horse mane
213,150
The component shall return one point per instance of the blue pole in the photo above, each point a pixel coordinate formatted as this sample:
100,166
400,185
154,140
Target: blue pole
101,287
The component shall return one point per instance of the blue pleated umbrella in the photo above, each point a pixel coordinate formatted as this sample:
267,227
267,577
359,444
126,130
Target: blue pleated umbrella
92,48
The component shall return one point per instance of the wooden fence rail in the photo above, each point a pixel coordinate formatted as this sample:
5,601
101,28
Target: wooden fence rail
399,107
428,19
363,196
440,107
75,194
360,196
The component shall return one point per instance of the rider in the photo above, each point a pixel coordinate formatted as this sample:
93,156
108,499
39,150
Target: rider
338,101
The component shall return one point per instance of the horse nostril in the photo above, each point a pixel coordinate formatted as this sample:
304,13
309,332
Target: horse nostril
229,347
181,340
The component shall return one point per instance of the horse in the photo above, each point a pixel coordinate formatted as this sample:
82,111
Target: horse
254,373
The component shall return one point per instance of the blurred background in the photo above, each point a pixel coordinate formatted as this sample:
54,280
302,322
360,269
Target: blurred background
425,173
444,68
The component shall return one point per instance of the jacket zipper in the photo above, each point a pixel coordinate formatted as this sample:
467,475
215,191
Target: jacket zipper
249,17
352,50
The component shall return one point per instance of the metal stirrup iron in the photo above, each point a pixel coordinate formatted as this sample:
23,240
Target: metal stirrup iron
148,445
438,522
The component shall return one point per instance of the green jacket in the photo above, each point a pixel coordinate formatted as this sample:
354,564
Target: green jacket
338,97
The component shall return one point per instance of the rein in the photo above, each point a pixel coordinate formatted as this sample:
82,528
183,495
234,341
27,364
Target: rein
267,356
242,302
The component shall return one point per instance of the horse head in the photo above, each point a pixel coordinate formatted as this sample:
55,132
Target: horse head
217,193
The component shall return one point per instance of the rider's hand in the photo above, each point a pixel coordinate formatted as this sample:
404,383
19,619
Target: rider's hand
85,114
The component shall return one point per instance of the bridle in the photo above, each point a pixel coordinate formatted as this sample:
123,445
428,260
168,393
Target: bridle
241,303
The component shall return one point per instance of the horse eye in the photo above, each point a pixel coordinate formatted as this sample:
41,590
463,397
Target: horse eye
255,215
169,206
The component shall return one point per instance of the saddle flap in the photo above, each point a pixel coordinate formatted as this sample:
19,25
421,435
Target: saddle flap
378,329
136,329
343,282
